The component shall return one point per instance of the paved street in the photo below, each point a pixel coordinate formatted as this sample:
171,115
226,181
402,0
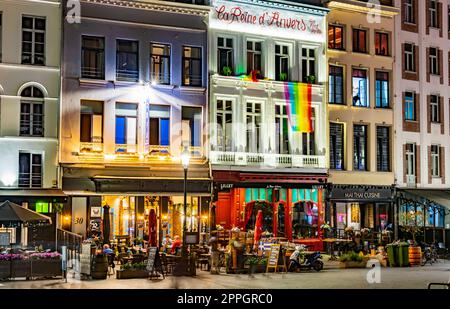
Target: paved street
330,278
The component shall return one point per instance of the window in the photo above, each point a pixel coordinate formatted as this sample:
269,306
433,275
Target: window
224,119
336,146
305,216
308,139
33,40
383,149
308,65
433,61
409,11
253,120
448,18
1,37
434,109
382,89
359,40
160,63
30,170
360,147
335,37
432,11
410,159
191,126
32,112
93,57
224,56
281,62
126,127
281,129
91,126
192,66
435,164
410,64
381,44
336,85
127,60
410,107
254,58
159,125
360,89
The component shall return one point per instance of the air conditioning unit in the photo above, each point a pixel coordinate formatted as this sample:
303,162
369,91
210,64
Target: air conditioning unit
411,180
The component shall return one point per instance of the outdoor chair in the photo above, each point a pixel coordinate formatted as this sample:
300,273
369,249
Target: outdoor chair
447,285
111,265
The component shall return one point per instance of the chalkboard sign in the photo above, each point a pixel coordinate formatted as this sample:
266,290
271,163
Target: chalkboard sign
85,259
154,264
274,258
5,239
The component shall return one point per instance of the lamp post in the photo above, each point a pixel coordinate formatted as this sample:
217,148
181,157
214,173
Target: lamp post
185,157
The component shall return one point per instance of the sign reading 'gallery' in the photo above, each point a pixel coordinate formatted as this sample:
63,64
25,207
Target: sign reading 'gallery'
242,17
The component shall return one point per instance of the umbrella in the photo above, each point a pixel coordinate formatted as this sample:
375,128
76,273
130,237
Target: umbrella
13,215
106,224
152,228
258,228
212,218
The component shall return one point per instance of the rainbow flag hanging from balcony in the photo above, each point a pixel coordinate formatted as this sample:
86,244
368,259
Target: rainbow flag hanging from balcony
298,102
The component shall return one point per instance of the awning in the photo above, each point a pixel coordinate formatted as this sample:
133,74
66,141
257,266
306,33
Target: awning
441,197
33,195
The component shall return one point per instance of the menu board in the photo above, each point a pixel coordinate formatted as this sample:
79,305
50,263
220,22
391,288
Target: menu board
154,261
85,259
272,261
5,239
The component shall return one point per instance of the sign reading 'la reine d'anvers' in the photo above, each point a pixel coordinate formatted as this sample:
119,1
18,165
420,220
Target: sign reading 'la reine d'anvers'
237,14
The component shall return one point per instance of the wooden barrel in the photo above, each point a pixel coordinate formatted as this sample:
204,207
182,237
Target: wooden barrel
100,267
415,256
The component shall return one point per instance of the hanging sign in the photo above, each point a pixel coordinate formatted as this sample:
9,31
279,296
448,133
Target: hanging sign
270,21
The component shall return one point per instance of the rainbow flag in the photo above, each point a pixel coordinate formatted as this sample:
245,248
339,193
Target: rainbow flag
252,77
298,102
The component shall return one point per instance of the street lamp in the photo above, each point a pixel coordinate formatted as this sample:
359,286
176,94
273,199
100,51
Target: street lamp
185,157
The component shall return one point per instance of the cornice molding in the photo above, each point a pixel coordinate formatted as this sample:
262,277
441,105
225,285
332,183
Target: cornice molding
285,5
361,7
156,5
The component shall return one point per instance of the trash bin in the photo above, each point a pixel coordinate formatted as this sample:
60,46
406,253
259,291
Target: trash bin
392,252
403,254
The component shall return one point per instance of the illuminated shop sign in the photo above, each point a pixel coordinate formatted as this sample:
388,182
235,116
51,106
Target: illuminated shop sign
241,17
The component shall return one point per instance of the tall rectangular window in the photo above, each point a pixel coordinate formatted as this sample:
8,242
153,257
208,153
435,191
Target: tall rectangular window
281,129
127,60
254,58
410,107
91,126
126,127
281,62
308,68
335,37
30,170
360,40
434,109
435,161
360,147
336,85
309,139
410,159
381,44
33,40
253,121
433,12
409,11
191,126
383,149
360,89
224,56
224,117
159,125
31,118
160,63
92,57
434,61
409,57
336,146
192,66
382,96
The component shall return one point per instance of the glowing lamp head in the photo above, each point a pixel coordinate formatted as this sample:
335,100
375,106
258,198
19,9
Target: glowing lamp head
8,179
185,158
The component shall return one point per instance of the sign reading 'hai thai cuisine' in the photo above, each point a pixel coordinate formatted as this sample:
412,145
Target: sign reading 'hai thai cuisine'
272,21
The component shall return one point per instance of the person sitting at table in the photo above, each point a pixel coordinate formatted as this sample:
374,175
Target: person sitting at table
176,245
167,243
107,249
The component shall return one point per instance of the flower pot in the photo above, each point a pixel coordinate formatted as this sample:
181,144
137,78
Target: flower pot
5,269
353,264
415,256
21,269
46,268
131,273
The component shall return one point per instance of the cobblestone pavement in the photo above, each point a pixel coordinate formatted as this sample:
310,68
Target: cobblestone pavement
331,277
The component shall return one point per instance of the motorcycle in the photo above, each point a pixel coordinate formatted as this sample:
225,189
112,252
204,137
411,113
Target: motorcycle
300,260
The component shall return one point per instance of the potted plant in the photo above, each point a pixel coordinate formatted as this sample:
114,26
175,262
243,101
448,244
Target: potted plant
283,77
226,70
353,260
46,264
412,227
311,79
130,271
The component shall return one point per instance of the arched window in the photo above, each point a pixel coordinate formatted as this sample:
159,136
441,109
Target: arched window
267,212
32,112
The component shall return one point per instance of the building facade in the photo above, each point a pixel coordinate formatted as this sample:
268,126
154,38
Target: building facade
361,81
29,105
422,116
259,161
134,97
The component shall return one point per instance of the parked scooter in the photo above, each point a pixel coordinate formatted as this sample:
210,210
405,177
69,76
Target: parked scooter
300,260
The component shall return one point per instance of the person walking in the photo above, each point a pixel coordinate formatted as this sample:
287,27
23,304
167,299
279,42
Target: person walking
215,253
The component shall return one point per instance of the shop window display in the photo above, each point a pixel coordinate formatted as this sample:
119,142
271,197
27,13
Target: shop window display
305,219
267,215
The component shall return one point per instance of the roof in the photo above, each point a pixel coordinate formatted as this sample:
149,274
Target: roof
441,197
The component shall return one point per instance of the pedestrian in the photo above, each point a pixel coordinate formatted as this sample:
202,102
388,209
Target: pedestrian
215,253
